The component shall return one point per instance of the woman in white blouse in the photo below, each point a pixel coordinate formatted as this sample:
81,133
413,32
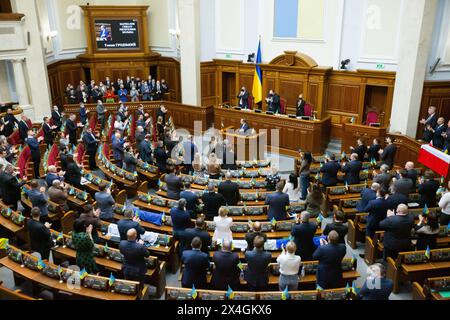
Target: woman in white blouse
289,267
223,224
292,188
444,204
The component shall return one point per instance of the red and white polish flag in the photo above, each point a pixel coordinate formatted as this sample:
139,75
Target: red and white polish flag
434,159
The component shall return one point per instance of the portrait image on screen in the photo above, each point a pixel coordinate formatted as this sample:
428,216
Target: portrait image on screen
117,34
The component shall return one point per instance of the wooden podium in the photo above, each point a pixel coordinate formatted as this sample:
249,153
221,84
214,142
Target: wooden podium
247,147
351,133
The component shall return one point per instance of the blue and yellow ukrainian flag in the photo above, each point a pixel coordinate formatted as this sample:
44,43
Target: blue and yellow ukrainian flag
83,274
230,293
428,252
285,294
194,292
257,79
112,279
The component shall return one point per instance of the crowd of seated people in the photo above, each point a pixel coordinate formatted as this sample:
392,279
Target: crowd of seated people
123,90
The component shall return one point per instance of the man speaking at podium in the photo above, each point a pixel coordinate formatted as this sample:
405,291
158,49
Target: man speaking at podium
104,33
244,127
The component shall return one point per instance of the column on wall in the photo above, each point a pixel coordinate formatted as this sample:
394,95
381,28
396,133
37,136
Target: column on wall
415,42
21,84
189,17
35,68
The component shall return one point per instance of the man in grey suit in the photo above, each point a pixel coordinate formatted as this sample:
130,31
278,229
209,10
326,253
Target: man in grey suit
105,202
174,184
384,178
404,185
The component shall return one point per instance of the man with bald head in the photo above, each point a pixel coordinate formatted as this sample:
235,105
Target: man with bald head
412,173
367,194
229,190
256,231
352,169
226,271
397,227
134,253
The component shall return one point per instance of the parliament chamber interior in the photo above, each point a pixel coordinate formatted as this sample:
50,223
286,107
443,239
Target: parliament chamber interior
224,150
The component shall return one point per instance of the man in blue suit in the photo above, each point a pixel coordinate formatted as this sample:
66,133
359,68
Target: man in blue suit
257,272
39,199
377,210
200,232
52,175
118,148
303,234
330,255
91,143
244,126
33,143
145,149
243,98
226,271
181,220
130,222
134,253
330,171
83,113
191,198
105,202
196,264
367,194
352,169
376,286
277,203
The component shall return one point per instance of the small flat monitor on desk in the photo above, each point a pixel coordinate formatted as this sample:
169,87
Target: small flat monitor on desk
237,108
257,111
305,118
227,106
375,125
293,116
269,112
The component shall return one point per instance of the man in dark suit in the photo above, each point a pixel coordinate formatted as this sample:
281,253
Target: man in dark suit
10,122
83,113
145,149
429,123
446,136
181,219
411,173
39,199
253,233
105,202
244,126
438,139
273,102
226,271
72,127
330,255
23,128
377,210
174,184
383,178
303,234
388,154
300,106
243,98
427,189
229,190
130,222
57,117
53,175
118,149
367,194
376,286
212,201
352,169
396,198
330,171
161,157
162,111
196,265
33,143
134,253
199,231
40,238
257,272
48,132
360,150
337,225
192,200
277,203
91,143
397,236
404,185
372,151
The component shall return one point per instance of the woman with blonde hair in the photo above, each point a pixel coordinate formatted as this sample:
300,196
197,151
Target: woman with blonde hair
289,267
223,224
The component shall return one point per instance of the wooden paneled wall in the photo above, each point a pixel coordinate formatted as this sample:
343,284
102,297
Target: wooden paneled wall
72,71
341,95
435,93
